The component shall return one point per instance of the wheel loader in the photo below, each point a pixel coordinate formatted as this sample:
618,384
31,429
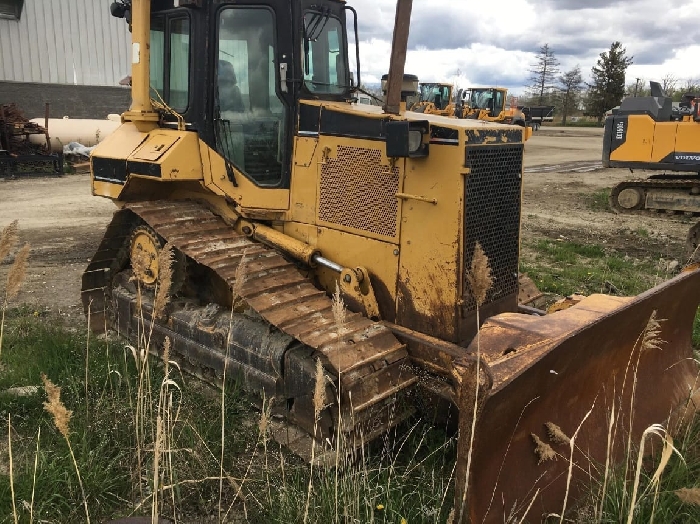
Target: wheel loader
488,103
243,153
434,98
647,133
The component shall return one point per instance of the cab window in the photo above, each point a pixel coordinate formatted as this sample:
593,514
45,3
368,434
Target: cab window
325,63
250,117
170,61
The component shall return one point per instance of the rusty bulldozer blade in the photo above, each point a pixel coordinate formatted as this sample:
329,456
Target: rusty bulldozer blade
574,368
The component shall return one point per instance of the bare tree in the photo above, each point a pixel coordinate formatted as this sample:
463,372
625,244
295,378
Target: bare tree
640,87
543,73
570,86
669,83
690,85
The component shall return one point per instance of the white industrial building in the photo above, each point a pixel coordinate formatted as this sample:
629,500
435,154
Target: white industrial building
70,53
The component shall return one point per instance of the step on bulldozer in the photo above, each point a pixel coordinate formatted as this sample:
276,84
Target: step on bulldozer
649,133
243,153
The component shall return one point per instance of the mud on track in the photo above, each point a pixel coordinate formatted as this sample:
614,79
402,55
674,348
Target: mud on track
64,222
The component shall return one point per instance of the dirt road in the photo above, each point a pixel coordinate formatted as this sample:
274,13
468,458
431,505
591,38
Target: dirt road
563,182
63,223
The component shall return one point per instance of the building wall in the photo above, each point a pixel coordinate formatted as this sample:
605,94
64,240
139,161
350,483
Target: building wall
65,100
73,42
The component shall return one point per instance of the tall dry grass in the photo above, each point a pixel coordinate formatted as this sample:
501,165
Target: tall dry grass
17,272
479,280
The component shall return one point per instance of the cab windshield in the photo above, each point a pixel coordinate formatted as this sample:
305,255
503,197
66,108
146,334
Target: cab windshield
491,99
325,61
435,93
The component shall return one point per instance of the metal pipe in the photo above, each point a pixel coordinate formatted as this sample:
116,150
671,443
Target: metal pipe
141,56
399,46
321,261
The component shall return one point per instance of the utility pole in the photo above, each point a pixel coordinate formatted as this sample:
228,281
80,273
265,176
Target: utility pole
636,86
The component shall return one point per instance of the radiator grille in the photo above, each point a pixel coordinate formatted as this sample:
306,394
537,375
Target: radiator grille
492,215
358,192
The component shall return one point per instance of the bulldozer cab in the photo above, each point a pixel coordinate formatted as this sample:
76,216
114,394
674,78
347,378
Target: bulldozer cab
242,100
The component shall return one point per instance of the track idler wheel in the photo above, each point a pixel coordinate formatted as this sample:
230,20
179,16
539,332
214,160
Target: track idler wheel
626,199
145,247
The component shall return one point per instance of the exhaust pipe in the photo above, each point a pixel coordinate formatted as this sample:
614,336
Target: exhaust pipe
141,112
399,46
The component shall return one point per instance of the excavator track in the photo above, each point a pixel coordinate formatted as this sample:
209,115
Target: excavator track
273,342
660,193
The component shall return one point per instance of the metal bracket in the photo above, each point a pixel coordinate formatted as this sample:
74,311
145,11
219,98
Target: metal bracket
283,77
406,196
358,292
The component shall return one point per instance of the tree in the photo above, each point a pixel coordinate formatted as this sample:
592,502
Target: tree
543,73
668,84
608,86
570,86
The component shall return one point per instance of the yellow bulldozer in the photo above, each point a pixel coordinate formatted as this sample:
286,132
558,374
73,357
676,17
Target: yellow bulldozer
649,133
243,153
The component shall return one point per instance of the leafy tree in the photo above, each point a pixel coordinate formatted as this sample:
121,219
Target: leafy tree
608,86
543,73
570,86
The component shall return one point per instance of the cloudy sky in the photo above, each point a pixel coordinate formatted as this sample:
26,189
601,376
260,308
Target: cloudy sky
495,42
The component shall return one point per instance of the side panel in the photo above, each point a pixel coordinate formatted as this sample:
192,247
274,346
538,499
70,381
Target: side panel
687,149
631,139
431,239
664,140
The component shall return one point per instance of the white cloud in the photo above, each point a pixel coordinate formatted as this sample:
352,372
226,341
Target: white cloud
494,43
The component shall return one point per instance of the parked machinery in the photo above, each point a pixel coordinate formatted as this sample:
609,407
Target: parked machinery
271,185
433,98
646,133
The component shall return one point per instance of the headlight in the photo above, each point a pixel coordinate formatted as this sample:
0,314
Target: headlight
415,140
406,138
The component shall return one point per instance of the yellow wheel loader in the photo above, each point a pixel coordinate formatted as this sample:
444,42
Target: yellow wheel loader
434,98
243,153
649,133
489,104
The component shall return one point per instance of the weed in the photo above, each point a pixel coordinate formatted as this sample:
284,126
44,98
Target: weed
599,200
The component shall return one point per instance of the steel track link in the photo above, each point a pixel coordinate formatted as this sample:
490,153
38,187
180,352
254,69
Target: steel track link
371,364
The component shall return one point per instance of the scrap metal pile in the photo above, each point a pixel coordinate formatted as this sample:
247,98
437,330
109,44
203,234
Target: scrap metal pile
20,156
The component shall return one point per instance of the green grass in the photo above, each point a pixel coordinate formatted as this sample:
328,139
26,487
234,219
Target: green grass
566,268
598,200
102,431
406,477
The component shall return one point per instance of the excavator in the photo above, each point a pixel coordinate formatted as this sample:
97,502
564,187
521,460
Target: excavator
243,155
647,133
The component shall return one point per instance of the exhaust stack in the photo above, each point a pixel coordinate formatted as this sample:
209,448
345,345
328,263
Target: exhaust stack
141,112
399,46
